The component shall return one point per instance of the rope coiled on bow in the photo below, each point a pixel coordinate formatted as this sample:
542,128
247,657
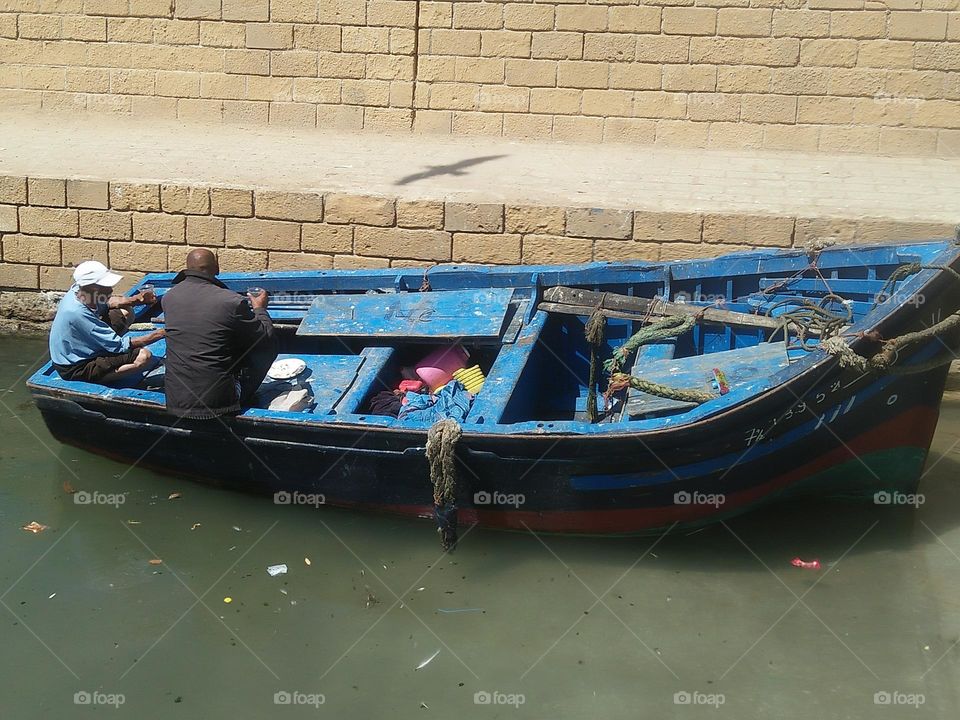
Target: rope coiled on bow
886,360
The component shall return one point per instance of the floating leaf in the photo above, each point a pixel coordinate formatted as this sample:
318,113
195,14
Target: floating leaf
34,527
68,488
155,561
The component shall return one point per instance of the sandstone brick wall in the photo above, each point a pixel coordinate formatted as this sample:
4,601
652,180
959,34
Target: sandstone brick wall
830,75
47,226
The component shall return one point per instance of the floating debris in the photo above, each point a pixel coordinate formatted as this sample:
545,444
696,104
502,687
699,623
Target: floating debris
155,561
134,522
68,488
34,527
306,561
237,528
427,661
51,596
195,526
460,610
424,706
174,496
275,570
371,598
812,565
228,600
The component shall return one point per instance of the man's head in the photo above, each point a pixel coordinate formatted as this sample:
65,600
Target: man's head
95,280
202,260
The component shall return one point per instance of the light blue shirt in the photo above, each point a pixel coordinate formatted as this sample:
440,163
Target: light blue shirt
78,333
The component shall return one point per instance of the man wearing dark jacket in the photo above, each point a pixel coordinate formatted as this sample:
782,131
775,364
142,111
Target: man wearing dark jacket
219,344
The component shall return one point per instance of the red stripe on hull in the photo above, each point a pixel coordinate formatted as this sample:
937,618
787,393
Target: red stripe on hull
913,428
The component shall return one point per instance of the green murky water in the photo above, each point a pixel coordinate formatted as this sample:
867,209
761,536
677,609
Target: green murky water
525,627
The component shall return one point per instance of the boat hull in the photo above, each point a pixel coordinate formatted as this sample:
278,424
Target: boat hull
815,428
839,436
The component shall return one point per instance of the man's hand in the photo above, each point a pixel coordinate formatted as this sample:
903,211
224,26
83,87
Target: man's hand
144,298
129,301
148,339
258,301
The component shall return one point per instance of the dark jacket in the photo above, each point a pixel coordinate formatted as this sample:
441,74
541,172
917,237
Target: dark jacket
212,333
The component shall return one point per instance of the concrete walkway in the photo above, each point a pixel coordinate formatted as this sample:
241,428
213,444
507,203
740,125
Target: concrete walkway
482,169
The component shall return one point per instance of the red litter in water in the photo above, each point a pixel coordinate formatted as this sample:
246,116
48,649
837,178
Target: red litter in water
812,565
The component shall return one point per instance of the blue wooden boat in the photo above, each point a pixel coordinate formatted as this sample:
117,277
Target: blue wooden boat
798,415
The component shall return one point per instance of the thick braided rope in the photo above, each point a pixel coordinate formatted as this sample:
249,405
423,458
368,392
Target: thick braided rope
441,448
620,380
886,360
668,327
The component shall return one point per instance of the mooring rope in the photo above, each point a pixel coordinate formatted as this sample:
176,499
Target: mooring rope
442,441
810,318
669,327
901,272
594,331
886,360
618,381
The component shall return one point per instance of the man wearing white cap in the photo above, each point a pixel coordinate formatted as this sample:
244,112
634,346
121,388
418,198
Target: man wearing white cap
84,344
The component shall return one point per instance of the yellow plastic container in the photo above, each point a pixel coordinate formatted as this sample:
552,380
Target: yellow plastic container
471,377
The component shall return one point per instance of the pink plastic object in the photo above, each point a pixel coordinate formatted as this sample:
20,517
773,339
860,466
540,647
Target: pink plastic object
437,368
412,386
812,565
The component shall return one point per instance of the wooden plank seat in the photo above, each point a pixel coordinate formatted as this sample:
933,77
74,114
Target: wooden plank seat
477,313
740,366
504,376
327,376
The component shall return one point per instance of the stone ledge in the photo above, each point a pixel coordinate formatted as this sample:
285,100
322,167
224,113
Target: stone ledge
172,156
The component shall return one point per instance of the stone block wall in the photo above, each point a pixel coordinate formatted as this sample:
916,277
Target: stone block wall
49,225
872,76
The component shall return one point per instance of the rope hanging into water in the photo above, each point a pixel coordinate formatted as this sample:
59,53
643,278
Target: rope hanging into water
442,441
885,361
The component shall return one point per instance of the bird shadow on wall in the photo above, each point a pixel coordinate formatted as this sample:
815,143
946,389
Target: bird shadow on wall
455,169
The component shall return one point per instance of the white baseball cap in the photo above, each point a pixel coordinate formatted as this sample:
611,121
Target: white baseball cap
92,272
